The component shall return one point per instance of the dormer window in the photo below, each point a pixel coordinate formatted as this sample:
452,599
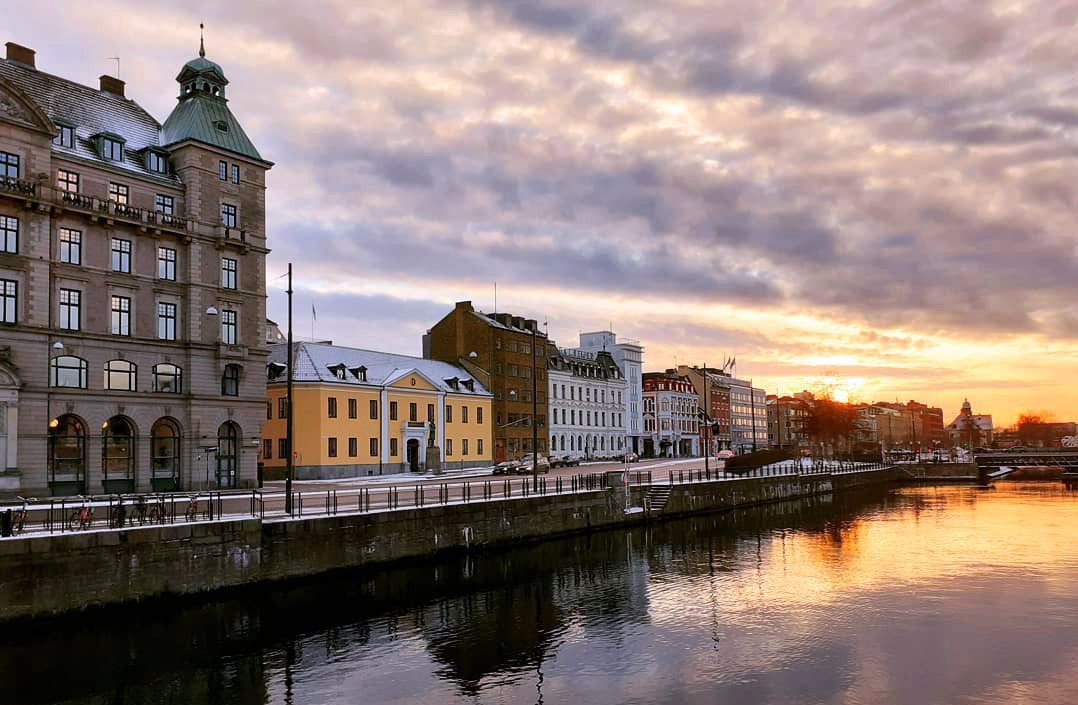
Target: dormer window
66,138
453,382
221,126
275,370
338,370
111,147
360,373
156,162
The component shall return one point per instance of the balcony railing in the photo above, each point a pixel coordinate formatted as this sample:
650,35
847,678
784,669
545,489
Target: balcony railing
20,187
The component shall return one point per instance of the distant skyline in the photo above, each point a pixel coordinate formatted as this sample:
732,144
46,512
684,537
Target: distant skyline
883,192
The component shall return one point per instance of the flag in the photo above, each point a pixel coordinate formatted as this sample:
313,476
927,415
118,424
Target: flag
314,314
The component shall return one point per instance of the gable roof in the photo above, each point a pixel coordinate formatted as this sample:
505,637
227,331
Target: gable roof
313,361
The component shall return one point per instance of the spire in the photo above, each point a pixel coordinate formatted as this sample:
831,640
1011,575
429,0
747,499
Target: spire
201,40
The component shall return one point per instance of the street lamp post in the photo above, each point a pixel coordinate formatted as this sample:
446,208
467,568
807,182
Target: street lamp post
535,416
288,405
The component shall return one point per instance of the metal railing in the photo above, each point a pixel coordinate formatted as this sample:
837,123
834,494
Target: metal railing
120,512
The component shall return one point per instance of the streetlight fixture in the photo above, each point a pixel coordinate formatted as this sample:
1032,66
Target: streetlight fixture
211,311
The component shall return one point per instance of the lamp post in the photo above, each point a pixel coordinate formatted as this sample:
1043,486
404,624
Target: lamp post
535,416
288,407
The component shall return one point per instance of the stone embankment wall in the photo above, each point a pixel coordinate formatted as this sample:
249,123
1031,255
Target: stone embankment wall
48,576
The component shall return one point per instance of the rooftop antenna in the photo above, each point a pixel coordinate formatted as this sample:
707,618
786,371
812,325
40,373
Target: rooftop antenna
117,60
202,40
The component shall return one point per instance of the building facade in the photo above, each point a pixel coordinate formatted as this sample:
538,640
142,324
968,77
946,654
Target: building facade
132,277
787,419
587,392
628,354
507,354
970,430
671,416
712,387
360,412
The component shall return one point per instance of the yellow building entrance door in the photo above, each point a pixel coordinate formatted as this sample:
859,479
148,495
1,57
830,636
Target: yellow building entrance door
413,455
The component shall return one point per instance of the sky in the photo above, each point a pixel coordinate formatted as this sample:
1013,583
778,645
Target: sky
878,196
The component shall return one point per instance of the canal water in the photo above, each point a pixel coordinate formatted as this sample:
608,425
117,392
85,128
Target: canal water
914,595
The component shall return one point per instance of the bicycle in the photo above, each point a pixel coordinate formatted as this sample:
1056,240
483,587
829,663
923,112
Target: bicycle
18,523
82,518
192,508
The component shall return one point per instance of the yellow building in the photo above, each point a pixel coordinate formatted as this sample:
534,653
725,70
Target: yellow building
361,412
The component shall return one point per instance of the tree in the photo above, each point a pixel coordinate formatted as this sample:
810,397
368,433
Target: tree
831,423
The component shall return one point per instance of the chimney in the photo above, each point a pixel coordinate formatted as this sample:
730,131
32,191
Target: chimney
17,52
111,84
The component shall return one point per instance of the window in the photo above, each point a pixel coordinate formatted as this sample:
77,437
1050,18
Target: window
70,309
282,407
112,149
267,449
70,246
374,447
448,414
67,371
9,234
9,165
413,410
374,409
331,409
157,162
269,410
353,447
235,173
119,193
228,327
463,414
166,263
228,273
479,446
66,138
120,375
164,204
449,446
67,181
222,170
121,255
228,215
479,416
353,409
166,321
393,447
464,446
8,300
230,381
430,413
282,448
392,411
332,449
121,315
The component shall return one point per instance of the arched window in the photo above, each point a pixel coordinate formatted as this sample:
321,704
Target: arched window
165,455
67,455
167,378
67,371
553,443
118,454
230,381
228,441
120,375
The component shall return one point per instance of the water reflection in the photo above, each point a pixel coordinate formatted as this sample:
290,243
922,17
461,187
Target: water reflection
918,595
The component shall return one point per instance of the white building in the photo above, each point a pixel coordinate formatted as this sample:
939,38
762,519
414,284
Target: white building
671,423
587,394
629,357
748,416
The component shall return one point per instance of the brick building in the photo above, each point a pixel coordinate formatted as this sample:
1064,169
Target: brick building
712,386
132,275
507,355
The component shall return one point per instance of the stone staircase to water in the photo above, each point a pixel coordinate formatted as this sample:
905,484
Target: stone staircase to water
657,497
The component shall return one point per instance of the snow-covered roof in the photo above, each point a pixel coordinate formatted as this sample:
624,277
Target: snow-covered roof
317,362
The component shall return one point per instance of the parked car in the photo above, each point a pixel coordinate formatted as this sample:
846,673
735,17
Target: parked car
724,454
525,468
569,461
507,467
631,457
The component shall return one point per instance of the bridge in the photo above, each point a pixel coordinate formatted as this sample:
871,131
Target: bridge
997,464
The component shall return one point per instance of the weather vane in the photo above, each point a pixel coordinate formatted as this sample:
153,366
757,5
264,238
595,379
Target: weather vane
202,40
